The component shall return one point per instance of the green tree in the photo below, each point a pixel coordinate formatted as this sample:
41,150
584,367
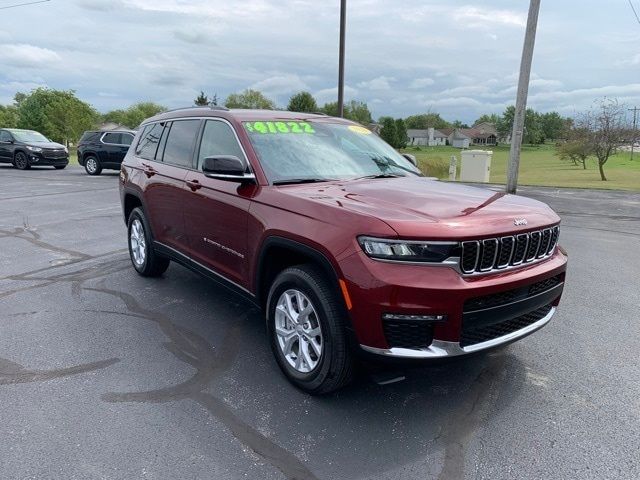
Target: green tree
577,148
607,130
401,134
302,102
388,131
249,99
8,116
353,110
57,114
426,120
533,131
201,100
553,125
133,116
459,124
493,118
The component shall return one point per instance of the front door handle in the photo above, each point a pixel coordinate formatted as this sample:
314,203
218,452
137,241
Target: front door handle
193,185
148,170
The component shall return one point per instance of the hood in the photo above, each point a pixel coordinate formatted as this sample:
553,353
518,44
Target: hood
44,144
417,207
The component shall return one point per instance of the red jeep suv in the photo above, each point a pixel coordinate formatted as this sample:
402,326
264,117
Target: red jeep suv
341,240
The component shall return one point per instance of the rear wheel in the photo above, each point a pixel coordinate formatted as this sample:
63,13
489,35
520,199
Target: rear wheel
305,319
144,259
92,165
21,161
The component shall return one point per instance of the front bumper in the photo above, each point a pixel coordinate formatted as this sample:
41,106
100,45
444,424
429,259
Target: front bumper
378,288
442,349
38,159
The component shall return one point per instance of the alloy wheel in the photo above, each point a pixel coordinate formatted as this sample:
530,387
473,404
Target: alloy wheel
298,331
138,243
91,165
21,161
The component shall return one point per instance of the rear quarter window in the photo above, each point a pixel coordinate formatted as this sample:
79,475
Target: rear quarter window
181,142
148,144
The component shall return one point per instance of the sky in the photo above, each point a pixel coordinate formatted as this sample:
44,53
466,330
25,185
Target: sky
403,57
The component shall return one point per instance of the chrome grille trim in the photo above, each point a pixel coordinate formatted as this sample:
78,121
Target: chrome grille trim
534,246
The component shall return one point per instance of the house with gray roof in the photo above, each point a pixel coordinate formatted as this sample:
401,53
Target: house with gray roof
428,137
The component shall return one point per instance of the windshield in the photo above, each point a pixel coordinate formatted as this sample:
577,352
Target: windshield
28,136
299,151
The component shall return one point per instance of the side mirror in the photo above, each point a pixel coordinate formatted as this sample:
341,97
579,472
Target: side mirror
226,167
411,158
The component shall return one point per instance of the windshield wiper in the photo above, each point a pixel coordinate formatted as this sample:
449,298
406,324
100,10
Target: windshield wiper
381,175
291,181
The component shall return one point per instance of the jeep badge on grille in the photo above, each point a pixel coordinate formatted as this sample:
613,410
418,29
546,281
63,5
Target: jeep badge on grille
519,221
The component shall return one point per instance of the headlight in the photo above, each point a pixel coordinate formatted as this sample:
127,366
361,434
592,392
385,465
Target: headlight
66,150
408,250
34,149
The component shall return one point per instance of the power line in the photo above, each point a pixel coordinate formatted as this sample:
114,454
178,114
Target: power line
24,4
634,10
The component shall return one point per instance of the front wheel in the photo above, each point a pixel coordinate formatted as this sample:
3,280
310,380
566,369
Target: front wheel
306,323
21,161
144,259
92,166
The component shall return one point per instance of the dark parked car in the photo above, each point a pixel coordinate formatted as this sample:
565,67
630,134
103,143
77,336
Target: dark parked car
103,149
346,246
26,148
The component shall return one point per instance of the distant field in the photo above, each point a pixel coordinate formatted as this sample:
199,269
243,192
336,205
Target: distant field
539,166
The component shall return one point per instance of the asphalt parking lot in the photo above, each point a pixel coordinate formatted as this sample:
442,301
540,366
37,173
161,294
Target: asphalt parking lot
104,374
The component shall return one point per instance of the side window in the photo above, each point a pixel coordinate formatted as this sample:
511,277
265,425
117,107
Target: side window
126,139
180,142
149,139
111,138
218,139
5,136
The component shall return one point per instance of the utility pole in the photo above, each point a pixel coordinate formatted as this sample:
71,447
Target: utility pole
633,141
521,99
343,24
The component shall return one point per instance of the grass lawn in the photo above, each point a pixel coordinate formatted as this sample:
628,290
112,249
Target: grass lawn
539,166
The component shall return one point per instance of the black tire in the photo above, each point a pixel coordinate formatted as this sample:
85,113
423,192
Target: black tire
334,368
21,161
60,167
151,264
92,165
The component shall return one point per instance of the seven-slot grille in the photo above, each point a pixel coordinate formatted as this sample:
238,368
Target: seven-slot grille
496,253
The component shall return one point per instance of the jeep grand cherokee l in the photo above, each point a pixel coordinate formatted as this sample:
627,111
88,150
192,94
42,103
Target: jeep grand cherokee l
340,239
24,148
102,149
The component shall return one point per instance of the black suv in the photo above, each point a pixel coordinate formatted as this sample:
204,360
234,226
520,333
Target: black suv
103,149
24,148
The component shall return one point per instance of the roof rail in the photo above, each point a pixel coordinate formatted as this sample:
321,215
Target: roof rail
321,113
212,107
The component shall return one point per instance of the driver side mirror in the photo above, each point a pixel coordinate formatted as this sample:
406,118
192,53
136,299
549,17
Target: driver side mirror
411,158
226,167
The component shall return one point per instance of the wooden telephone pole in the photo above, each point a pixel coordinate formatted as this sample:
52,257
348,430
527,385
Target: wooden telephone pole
521,100
343,24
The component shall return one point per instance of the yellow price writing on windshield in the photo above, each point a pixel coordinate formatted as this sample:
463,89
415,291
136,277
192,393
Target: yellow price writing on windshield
279,127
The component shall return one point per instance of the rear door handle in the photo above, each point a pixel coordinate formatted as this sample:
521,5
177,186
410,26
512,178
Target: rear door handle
193,185
148,170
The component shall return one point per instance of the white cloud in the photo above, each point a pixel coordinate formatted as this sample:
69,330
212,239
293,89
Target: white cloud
27,56
423,82
483,17
379,83
280,84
